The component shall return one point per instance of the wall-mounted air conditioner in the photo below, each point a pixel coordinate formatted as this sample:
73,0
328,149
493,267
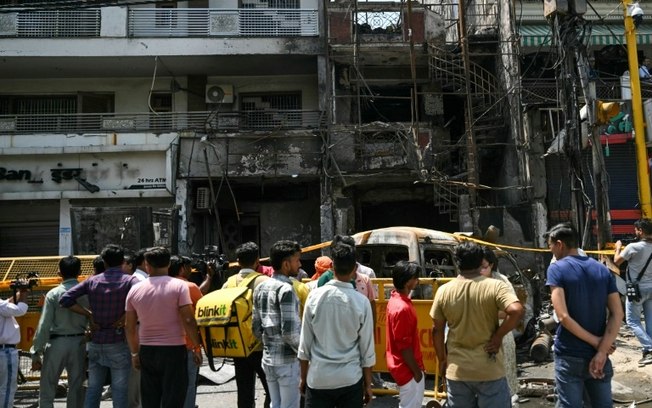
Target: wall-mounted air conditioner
219,93
203,198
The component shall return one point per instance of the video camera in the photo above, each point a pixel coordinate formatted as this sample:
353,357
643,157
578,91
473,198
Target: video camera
24,281
211,261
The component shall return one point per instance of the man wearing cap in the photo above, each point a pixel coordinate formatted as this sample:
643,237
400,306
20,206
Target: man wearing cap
60,340
9,337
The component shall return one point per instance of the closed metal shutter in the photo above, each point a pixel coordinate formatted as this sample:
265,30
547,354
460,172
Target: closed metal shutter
621,170
29,228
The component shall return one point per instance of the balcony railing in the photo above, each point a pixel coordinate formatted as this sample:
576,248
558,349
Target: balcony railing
264,120
51,24
193,22
151,22
546,91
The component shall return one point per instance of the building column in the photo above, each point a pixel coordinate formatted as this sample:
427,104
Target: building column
65,228
181,202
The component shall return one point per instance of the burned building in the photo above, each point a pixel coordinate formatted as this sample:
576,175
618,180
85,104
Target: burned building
212,122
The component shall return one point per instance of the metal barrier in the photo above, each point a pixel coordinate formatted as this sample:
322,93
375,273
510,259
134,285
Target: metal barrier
424,323
47,267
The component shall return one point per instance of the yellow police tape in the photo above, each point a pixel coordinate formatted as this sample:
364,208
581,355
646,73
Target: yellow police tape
460,237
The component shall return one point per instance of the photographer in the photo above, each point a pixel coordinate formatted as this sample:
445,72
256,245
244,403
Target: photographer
9,337
210,266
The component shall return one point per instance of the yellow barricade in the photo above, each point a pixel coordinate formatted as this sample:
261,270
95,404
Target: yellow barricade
424,324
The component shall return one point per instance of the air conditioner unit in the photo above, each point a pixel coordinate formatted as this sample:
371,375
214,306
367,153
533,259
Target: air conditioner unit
203,198
219,93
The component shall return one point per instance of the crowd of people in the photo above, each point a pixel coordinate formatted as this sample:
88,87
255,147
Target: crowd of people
317,339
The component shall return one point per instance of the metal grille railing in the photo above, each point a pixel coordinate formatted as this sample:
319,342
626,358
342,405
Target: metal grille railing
180,22
546,91
379,21
47,24
163,122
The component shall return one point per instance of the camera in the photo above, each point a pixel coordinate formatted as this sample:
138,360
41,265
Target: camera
24,281
211,262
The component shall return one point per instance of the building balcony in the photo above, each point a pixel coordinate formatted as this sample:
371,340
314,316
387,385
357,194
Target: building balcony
152,22
380,32
170,122
77,40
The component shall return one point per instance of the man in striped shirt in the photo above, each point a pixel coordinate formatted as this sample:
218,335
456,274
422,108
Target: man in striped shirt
276,321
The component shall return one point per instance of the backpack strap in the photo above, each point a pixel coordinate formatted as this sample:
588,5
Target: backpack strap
640,274
250,278
209,351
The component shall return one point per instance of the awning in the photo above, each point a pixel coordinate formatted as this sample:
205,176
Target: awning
535,35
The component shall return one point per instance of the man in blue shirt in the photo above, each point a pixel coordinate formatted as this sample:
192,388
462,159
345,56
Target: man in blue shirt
581,290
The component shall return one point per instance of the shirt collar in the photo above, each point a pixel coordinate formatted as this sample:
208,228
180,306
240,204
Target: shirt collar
246,271
281,277
340,284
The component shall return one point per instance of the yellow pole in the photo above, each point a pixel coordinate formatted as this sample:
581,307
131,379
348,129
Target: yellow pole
637,112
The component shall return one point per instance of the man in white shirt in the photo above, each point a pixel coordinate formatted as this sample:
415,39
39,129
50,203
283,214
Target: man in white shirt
336,347
9,337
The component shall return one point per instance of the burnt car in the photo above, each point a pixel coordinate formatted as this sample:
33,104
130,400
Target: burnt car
380,249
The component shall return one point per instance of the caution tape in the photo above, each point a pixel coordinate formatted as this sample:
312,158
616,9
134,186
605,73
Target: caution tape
461,237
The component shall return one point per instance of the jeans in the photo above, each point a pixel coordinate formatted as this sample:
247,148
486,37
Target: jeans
633,317
102,359
573,381
481,394
191,391
283,384
8,376
245,378
344,397
163,376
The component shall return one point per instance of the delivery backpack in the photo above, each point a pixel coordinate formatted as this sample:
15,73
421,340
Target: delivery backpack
225,318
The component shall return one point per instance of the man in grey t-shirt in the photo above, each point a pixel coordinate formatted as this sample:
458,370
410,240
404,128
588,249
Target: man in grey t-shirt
637,255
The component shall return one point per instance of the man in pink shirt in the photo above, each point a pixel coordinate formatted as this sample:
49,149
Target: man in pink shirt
163,308
403,351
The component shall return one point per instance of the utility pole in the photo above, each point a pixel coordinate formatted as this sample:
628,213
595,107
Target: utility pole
637,113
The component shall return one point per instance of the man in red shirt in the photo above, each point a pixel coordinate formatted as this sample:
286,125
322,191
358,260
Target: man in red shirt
403,351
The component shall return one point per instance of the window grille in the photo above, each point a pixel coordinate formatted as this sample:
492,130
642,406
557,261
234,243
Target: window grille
266,111
33,108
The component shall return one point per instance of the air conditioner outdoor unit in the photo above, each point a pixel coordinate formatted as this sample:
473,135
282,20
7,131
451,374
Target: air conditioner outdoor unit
203,198
219,93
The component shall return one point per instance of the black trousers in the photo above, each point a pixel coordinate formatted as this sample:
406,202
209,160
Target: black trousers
163,376
345,397
245,379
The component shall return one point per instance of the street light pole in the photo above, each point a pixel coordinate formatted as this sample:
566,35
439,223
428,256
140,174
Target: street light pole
637,113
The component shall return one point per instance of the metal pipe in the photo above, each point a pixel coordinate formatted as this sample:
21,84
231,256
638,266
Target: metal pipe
540,349
637,108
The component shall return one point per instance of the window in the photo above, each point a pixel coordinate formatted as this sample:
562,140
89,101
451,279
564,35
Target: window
166,16
41,113
57,113
161,103
268,111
